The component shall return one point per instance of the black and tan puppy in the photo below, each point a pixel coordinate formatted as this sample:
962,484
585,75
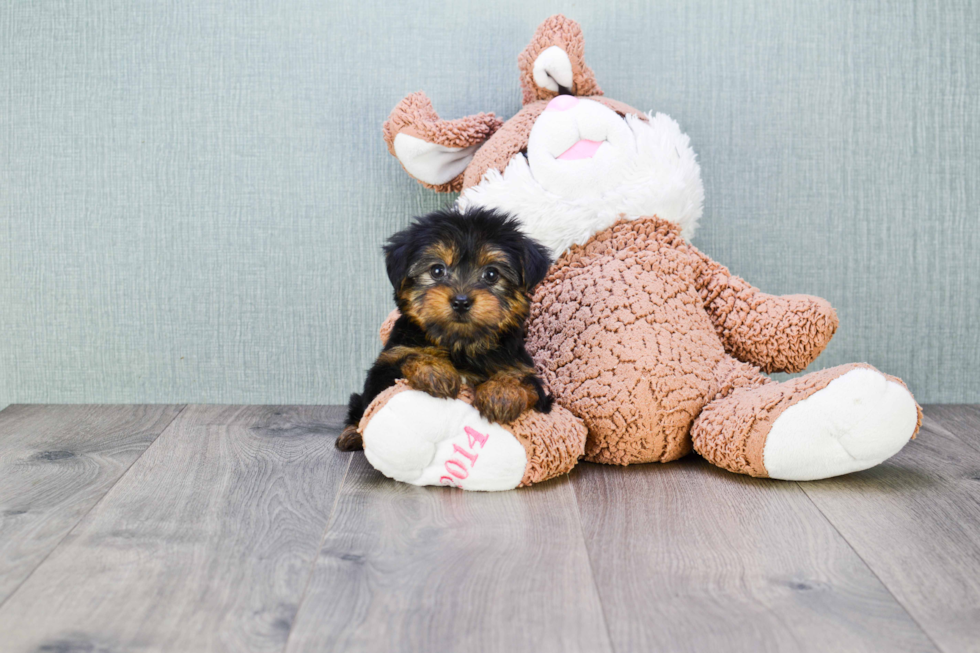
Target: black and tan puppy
462,284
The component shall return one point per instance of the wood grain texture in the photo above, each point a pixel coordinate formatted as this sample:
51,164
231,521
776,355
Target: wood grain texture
205,545
915,520
56,462
962,421
431,569
691,558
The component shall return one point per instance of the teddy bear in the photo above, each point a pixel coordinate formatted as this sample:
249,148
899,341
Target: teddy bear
650,348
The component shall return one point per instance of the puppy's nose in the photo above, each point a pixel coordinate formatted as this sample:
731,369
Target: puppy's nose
461,303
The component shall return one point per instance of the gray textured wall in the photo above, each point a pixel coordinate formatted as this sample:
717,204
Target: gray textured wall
192,194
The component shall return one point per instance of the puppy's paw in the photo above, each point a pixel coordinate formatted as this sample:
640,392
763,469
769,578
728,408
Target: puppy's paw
503,399
434,376
349,440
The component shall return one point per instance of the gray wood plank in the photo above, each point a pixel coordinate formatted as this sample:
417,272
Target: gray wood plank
915,520
205,545
688,557
56,462
960,420
433,569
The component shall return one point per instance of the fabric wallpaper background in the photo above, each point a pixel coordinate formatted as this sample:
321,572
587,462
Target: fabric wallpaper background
193,194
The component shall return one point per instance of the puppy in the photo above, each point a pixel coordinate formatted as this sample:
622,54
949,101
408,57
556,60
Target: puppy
462,284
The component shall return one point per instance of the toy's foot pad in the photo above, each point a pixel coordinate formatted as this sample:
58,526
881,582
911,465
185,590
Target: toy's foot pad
857,421
419,439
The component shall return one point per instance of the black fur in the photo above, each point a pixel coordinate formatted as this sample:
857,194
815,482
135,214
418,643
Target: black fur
467,232
470,230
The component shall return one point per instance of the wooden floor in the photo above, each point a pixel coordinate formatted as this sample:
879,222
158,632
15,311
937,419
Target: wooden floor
224,528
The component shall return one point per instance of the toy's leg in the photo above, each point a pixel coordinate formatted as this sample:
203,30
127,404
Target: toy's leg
419,439
824,424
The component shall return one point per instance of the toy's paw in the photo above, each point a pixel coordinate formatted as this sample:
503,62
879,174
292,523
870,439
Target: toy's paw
423,440
859,420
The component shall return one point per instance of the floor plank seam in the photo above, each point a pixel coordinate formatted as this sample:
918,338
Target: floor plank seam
71,530
871,569
319,547
588,558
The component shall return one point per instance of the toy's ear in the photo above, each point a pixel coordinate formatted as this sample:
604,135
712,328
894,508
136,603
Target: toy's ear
554,62
432,150
537,260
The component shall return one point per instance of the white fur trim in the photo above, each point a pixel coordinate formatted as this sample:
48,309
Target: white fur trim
859,420
660,177
552,67
434,164
412,438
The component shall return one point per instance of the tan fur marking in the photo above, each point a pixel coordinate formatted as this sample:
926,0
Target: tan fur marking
434,306
504,396
395,355
486,309
491,256
431,373
445,252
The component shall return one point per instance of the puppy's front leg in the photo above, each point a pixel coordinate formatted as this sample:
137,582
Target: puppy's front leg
430,370
425,368
508,393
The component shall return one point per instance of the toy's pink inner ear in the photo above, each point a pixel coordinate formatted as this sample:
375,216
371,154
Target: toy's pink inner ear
584,149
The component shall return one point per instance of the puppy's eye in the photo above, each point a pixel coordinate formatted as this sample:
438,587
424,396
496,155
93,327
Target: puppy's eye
490,275
437,271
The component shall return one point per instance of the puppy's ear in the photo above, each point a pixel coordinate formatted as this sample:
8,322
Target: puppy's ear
536,260
398,255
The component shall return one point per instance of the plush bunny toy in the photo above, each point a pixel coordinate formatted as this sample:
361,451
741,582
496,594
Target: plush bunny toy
650,347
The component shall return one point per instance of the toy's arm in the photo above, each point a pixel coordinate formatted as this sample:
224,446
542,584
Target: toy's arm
777,333
385,331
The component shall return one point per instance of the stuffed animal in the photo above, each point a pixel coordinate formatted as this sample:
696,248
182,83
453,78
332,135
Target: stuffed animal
650,348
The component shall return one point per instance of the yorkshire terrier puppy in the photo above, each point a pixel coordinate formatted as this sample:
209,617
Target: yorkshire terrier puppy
462,284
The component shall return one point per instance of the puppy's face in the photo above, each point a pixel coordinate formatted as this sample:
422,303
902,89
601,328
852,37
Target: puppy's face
464,281
464,296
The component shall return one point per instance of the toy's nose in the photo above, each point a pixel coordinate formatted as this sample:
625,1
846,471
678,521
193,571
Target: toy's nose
562,103
461,303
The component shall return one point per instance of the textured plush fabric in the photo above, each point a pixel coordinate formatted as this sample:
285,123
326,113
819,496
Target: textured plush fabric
415,117
635,331
631,331
554,443
193,193
510,139
631,334
779,334
567,35
618,333
731,431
